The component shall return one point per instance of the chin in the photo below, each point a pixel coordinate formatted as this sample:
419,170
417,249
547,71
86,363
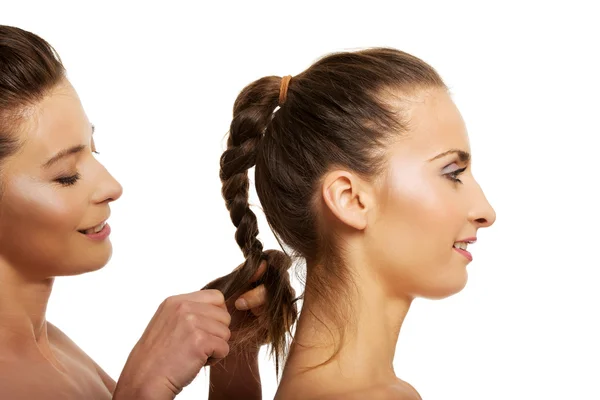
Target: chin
449,286
93,262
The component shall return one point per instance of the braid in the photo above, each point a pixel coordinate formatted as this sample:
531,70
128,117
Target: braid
252,112
239,157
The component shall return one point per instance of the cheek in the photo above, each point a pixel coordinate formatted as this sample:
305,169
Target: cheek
423,206
38,230
43,207
418,223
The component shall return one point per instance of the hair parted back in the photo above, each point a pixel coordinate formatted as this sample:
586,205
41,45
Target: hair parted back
29,68
340,113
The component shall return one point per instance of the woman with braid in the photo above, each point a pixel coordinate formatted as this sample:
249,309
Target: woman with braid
362,167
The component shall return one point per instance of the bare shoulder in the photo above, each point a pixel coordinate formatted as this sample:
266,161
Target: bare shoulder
25,373
403,391
23,380
397,391
13,379
61,340
59,337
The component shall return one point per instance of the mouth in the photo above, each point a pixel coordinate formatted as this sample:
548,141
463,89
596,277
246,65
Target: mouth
94,229
461,247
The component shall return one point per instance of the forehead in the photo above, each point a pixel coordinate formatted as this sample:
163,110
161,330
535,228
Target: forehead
58,121
435,125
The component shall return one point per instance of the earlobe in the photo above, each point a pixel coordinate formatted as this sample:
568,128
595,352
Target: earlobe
344,195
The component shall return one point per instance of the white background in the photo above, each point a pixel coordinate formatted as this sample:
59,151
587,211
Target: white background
159,80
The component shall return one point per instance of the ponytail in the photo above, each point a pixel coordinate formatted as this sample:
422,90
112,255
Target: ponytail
252,112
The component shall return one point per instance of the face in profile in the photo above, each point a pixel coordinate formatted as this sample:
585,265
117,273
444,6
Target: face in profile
429,206
55,195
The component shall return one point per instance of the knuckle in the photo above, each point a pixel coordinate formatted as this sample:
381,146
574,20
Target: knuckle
213,295
170,301
182,308
205,345
190,319
225,348
200,338
221,348
226,317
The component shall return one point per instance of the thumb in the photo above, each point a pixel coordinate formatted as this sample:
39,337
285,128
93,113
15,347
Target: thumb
252,299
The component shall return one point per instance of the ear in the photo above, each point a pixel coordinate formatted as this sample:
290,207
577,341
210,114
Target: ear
347,197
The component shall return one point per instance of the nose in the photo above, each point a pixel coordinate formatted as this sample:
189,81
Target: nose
482,214
108,189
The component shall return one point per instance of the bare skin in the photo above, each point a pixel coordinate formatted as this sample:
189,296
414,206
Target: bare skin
47,205
53,366
70,374
398,233
393,391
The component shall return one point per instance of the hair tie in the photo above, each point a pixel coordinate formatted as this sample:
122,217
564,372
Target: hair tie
285,82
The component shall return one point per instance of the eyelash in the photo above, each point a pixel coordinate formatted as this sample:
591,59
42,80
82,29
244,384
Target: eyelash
453,176
68,180
71,180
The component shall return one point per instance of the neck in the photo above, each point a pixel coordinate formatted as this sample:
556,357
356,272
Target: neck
365,338
23,304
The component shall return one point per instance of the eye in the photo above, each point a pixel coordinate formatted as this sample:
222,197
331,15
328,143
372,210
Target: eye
453,175
68,180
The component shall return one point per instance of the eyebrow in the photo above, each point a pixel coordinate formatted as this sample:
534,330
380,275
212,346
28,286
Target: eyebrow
463,155
66,152
62,154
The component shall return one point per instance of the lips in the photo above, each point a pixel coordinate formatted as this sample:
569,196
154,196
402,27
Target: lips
94,229
461,247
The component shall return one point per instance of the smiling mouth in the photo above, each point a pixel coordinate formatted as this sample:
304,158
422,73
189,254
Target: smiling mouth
461,247
94,229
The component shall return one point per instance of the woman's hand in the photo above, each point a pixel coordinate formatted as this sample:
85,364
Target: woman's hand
186,331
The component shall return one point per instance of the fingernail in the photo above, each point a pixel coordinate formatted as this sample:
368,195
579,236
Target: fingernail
241,304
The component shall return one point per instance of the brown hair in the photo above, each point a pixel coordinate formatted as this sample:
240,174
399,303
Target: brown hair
29,68
339,112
